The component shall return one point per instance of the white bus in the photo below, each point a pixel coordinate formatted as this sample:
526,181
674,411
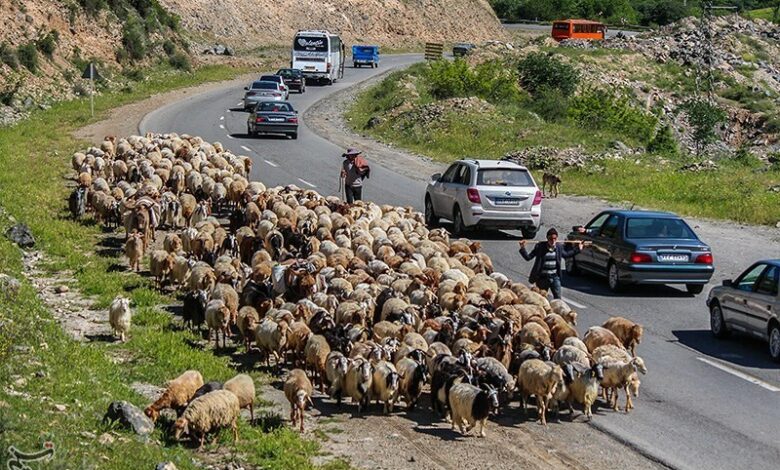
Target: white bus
319,54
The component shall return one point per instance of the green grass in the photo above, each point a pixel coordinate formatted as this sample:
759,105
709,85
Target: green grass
34,157
760,14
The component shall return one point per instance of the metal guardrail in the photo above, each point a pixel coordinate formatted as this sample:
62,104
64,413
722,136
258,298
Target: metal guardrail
433,50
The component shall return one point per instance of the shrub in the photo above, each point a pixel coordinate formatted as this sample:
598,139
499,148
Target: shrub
180,61
28,56
743,157
93,7
495,82
664,142
492,81
134,38
8,56
703,116
550,104
169,47
48,42
544,71
600,109
450,79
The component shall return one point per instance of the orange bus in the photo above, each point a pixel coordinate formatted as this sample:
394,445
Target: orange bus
578,29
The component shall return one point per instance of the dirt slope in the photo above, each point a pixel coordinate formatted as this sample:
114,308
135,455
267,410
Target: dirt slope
388,22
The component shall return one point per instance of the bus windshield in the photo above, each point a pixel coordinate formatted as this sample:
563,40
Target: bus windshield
311,44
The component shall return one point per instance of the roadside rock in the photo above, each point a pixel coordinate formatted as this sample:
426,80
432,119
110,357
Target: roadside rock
21,235
9,286
165,466
706,165
130,417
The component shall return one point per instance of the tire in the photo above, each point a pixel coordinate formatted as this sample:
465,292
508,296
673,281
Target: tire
571,267
354,65
431,221
249,131
694,289
717,324
613,277
294,136
774,342
330,81
529,233
458,227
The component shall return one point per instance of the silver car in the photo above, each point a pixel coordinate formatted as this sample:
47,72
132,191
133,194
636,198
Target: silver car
491,194
262,91
749,304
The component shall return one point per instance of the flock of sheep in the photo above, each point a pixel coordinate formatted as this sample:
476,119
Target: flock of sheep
361,299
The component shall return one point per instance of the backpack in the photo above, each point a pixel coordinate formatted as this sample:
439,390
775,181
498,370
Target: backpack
362,166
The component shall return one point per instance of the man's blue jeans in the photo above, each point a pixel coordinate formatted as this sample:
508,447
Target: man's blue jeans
552,283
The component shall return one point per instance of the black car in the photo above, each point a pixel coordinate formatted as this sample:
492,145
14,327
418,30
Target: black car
462,48
293,78
642,247
273,117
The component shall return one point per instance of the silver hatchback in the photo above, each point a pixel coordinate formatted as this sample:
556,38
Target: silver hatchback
491,194
749,304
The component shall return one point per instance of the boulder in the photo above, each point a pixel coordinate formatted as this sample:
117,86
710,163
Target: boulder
9,286
165,466
21,235
129,416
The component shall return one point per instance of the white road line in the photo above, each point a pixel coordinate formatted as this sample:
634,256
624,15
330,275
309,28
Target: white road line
222,118
739,374
222,126
271,163
229,136
246,149
571,302
240,103
306,182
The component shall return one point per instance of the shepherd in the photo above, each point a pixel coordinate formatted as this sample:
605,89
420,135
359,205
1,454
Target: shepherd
546,272
354,170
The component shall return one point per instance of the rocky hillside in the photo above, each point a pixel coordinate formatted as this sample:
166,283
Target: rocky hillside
388,22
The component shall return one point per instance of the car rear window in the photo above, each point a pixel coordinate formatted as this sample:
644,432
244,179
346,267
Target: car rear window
504,177
274,107
264,86
271,78
649,227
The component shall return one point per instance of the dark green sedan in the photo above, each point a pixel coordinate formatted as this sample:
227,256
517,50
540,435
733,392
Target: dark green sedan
642,247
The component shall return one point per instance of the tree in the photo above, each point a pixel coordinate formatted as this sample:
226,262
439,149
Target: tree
539,71
703,116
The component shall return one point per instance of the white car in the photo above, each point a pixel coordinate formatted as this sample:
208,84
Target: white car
491,194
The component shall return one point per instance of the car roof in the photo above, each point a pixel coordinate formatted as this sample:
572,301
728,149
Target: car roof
643,214
491,164
269,76
265,81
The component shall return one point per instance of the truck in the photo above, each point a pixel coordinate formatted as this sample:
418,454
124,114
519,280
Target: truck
319,54
365,55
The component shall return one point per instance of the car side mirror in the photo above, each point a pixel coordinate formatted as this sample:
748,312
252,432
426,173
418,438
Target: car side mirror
246,88
295,111
576,228
436,177
728,283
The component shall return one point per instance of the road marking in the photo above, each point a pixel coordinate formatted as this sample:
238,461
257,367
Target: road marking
240,103
229,136
246,149
271,163
306,182
222,126
222,118
739,374
576,304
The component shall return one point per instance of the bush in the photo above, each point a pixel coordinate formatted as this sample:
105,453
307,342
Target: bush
93,7
492,81
703,116
28,56
134,38
48,42
450,79
743,157
550,104
544,71
600,109
664,143
495,82
180,61
169,47
8,56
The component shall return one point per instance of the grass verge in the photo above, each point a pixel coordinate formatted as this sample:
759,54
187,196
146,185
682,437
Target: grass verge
40,366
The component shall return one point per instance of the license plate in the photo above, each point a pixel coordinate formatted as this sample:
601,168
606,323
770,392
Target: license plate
673,258
276,119
505,201
309,67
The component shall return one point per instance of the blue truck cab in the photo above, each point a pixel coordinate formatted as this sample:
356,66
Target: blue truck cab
365,55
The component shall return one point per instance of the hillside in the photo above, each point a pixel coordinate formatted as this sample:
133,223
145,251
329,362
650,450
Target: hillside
387,22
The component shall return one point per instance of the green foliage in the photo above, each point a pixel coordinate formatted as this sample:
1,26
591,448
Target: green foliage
448,79
600,109
28,56
661,12
134,39
664,143
703,116
93,7
180,61
8,56
744,158
168,46
491,81
545,71
550,104
47,43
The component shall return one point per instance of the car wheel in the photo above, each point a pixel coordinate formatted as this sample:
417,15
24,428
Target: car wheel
294,136
774,342
354,65
694,289
717,324
571,267
529,233
458,227
430,216
613,277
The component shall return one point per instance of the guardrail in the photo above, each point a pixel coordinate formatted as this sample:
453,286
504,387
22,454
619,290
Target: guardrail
433,50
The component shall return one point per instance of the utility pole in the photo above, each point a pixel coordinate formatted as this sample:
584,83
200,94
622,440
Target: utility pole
707,54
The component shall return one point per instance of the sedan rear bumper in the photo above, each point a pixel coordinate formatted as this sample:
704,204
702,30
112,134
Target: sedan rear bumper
478,216
273,128
667,274
253,100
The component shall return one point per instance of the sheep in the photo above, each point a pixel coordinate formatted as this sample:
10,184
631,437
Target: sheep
218,319
561,308
541,379
584,388
206,388
243,387
598,336
534,334
491,371
119,316
316,352
576,342
413,376
471,405
628,332
229,295
160,265
247,322
182,268
134,250
177,394
336,365
194,308
618,373
567,354
271,338
298,390
297,338
384,385
358,382
560,332
212,411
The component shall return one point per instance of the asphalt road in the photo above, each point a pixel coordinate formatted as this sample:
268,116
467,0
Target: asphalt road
704,404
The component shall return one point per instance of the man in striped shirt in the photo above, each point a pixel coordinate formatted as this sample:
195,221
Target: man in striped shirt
546,272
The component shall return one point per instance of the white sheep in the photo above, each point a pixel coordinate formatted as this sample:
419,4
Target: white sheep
119,316
336,365
211,412
243,387
471,405
271,338
359,381
384,385
541,379
298,390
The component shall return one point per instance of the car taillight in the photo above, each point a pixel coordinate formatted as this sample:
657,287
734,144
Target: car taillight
473,194
259,119
704,258
276,94
294,120
640,258
327,69
537,198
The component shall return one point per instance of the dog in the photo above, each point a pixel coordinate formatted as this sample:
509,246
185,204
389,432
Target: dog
555,184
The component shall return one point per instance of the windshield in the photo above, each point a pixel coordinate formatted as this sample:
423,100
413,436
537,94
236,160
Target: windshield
311,44
504,177
274,107
271,78
264,86
647,227
289,73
